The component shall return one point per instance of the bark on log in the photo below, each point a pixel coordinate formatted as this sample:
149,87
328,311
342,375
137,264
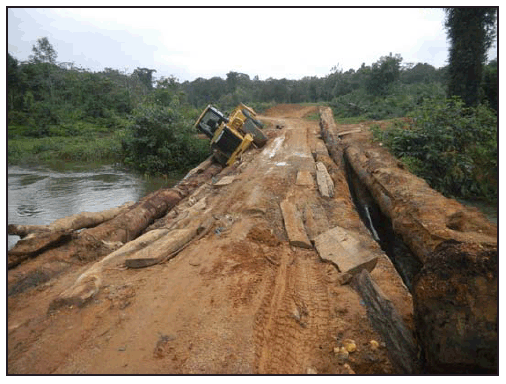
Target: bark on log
72,223
387,322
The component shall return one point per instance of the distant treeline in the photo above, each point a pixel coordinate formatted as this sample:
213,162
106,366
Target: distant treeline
43,92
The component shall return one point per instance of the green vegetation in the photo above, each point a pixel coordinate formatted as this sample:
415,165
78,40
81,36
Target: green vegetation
161,141
58,112
451,146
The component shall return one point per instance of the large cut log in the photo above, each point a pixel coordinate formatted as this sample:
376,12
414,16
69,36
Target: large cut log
72,223
401,345
455,293
38,238
35,243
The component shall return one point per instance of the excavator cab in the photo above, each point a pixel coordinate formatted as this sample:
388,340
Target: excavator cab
231,136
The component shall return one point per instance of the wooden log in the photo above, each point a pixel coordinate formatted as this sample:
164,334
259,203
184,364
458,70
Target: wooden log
157,251
328,130
456,309
401,346
34,244
345,251
294,226
72,223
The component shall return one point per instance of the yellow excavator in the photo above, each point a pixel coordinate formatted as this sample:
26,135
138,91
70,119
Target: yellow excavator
231,136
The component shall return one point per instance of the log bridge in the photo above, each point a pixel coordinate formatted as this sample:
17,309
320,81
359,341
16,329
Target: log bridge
338,196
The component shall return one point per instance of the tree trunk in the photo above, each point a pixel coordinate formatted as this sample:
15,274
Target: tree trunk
73,223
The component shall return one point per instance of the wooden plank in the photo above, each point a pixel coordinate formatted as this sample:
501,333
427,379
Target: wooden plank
324,181
344,250
159,250
315,221
356,130
385,319
294,226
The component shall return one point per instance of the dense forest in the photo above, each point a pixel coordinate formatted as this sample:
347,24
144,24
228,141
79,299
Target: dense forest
60,112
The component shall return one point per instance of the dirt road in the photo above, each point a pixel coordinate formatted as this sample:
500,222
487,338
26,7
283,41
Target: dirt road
239,300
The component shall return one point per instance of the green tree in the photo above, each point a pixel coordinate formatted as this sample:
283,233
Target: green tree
471,32
490,85
383,74
12,81
43,52
145,76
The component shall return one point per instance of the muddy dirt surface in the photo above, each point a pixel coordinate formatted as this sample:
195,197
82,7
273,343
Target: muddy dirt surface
238,300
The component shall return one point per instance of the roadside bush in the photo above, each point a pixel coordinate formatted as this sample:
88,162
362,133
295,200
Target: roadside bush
161,141
453,147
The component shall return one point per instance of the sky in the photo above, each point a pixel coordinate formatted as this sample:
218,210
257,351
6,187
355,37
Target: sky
197,42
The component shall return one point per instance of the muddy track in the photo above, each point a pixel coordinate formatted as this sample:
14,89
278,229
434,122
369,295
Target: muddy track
241,299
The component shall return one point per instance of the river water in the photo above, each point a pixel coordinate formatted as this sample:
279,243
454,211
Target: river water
39,195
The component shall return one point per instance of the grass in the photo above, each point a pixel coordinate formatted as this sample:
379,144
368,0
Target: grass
47,150
351,120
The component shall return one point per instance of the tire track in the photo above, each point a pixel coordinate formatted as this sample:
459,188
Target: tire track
293,320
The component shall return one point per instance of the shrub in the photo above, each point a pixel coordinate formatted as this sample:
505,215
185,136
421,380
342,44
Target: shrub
161,141
453,147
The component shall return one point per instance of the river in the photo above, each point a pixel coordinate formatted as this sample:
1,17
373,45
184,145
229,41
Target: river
38,195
